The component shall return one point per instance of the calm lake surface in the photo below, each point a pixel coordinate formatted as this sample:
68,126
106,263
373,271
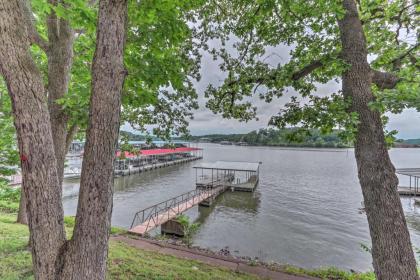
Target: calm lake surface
305,210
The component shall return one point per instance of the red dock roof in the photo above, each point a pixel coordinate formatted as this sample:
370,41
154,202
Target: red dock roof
160,152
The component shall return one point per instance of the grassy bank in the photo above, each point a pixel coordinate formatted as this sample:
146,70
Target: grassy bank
330,273
126,262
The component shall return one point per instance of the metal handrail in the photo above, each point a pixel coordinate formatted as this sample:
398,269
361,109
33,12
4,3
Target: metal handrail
152,213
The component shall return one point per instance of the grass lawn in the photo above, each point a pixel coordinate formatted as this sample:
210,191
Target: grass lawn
124,261
330,273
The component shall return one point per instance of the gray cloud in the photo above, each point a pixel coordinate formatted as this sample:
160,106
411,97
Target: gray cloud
407,124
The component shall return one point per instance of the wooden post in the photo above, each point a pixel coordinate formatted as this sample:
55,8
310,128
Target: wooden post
212,177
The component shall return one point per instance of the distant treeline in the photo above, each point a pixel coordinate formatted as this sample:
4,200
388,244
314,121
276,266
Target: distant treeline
131,136
407,143
412,141
137,137
277,137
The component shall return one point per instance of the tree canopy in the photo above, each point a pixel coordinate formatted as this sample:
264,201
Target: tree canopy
160,56
369,47
308,30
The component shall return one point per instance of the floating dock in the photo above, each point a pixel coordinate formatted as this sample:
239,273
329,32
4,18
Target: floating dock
407,191
237,175
128,164
413,174
212,179
133,169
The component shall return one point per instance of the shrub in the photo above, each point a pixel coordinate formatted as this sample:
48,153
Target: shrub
9,198
189,228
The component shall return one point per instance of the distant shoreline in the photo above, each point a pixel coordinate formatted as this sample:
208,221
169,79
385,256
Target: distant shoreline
303,147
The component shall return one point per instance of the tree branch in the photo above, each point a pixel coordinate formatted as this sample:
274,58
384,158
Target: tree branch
413,61
397,61
308,69
35,37
70,135
384,80
52,23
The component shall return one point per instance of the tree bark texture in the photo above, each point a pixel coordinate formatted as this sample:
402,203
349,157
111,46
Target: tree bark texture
392,252
88,249
59,51
71,133
22,217
60,58
31,118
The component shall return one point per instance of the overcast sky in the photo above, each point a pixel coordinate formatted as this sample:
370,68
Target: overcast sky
205,122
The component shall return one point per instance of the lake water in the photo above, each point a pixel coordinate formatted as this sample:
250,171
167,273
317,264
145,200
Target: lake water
305,210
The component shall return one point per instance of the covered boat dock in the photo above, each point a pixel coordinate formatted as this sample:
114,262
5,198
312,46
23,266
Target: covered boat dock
129,163
212,179
413,175
237,175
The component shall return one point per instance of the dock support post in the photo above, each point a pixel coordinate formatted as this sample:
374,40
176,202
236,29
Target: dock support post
207,202
172,227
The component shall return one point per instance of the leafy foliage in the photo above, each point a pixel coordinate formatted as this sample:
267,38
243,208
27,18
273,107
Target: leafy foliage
189,228
124,146
392,33
249,33
162,60
160,56
9,156
9,198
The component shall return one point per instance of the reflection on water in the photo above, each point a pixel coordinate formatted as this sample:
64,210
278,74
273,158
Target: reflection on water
230,201
243,201
304,211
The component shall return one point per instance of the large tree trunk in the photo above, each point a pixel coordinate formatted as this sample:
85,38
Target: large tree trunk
87,251
392,253
22,217
84,257
31,118
60,57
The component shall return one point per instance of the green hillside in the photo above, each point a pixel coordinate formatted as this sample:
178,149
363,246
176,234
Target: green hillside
277,137
412,141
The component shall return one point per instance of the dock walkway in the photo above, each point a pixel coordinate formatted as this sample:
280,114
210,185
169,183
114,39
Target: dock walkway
156,215
212,179
407,191
413,175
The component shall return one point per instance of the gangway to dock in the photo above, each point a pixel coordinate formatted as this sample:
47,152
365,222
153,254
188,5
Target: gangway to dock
212,179
158,214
